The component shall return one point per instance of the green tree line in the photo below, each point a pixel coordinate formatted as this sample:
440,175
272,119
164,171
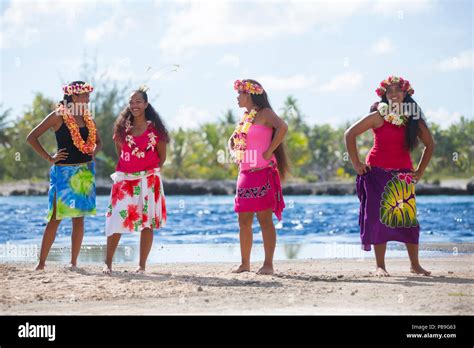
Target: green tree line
316,152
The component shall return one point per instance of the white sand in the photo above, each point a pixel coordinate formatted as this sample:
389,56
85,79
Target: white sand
340,286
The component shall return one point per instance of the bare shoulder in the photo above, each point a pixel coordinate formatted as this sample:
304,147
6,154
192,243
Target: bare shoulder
375,118
371,121
54,120
267,113
268,117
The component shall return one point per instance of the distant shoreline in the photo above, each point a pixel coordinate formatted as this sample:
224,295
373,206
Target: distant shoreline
227,187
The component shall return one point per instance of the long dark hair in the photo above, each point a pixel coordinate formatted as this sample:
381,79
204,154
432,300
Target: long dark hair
261,101
415,117
67,99
150,114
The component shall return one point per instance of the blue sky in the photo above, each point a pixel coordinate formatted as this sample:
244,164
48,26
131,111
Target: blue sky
330,55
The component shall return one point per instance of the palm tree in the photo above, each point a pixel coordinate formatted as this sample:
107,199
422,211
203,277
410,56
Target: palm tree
292,114
4,137
228,119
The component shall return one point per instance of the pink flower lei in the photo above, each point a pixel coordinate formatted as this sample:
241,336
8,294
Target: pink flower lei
136,151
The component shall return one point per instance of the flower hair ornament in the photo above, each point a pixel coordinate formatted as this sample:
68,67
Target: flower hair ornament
78,89
404,85
248,87
143,88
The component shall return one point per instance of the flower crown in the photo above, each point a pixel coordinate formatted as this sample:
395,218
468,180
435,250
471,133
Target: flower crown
248,87
77,89
404,85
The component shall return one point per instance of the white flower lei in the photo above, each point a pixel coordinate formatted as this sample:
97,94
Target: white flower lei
392,118
136,150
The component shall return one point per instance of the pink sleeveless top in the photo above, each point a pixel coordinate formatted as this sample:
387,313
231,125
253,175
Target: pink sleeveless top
129,163
259,138
389,151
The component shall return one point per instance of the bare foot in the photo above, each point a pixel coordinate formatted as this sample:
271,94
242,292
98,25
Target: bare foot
107,270
266,269
381,272
71,267
419,270
242,268
140,270
39,267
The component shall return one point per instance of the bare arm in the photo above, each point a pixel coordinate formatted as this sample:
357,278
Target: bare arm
49,121
281,128
161,148
230,142
98,142
364,124
426,138
118,148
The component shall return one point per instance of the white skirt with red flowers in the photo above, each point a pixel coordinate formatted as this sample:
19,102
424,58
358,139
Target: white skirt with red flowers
137,201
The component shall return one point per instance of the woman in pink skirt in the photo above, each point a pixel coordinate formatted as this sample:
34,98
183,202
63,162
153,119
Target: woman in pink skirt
257,146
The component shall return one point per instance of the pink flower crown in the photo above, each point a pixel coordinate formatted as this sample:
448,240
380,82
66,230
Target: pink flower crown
248,87
404,85
77,89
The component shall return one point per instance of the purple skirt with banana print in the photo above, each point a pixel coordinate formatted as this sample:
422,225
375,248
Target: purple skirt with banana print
387,207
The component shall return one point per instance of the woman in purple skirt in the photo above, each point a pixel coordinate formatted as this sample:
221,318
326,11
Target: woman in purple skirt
385,183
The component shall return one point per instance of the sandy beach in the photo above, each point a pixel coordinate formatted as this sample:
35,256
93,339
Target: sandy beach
309,287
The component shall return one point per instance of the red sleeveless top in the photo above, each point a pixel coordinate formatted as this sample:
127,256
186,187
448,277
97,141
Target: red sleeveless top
389,150
129,163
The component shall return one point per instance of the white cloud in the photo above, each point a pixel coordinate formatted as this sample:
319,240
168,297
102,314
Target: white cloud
342,82
199,24
120,70
196,24
383,46
191,117
115,26
400,7
286,83
463,60
24,22
442,116
230,60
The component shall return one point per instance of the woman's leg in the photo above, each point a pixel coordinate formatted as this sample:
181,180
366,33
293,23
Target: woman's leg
112,243
245,226
146,241
415,263
379,250
48,238
76,239
269,240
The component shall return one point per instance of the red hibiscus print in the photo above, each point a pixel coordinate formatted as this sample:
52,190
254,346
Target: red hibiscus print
157,189
163,208
128,186
117,193
144,218
150,181
132,217
408,178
